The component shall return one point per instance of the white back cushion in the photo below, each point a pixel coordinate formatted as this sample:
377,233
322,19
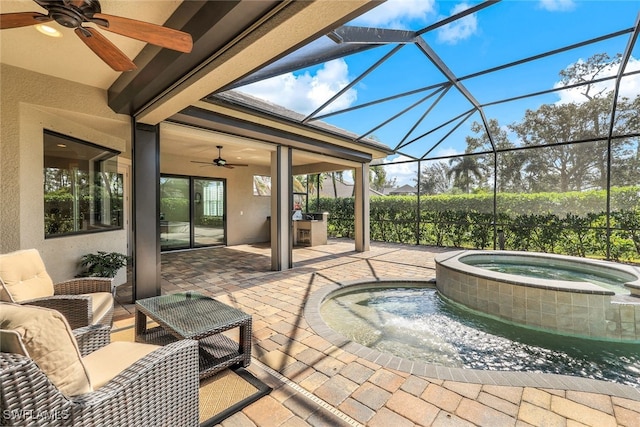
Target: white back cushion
48,340
24,276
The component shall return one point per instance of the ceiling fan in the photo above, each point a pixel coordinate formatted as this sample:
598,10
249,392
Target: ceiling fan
76,13
219,161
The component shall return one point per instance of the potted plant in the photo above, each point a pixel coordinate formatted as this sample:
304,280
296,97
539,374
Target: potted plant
102,264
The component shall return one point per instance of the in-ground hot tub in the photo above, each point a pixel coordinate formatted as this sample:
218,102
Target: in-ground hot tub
575,307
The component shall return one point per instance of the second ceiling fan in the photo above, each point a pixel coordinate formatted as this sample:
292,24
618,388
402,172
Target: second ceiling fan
219,161
76,14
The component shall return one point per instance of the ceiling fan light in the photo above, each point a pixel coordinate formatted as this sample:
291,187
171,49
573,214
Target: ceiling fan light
48,30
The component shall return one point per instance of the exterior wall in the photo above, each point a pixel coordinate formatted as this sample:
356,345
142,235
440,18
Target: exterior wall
575,313
30,103
246,214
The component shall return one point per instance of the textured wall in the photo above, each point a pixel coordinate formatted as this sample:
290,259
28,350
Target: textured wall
30,103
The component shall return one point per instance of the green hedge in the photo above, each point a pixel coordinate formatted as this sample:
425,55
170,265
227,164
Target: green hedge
569,223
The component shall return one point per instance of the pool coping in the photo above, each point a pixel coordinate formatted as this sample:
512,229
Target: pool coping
467,375
452,260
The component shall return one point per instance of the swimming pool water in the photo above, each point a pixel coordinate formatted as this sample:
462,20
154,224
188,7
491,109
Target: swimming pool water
418,324
553,272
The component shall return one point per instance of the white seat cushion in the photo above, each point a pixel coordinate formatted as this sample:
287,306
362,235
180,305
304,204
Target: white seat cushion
106,363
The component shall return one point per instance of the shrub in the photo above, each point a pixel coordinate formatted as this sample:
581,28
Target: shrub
572,223
102,264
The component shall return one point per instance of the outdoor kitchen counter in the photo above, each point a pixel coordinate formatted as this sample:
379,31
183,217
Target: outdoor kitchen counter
310,232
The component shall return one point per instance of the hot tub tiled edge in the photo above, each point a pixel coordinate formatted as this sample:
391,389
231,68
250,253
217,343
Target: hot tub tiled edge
573,309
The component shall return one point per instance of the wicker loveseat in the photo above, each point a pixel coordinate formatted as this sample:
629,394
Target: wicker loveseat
83,301
147,386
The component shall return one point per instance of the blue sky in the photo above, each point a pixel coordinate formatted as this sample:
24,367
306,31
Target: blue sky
501,33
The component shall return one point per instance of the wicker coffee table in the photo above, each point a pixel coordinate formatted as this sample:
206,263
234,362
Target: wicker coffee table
193,316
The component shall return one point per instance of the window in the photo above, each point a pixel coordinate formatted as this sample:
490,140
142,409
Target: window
261,185
83,191
212,197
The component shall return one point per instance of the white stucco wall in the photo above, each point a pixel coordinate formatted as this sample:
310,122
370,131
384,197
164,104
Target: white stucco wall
31,102
246,214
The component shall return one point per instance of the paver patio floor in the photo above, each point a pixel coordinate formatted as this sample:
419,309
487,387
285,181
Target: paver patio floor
320,384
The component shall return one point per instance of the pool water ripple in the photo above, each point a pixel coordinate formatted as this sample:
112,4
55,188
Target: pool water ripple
416,323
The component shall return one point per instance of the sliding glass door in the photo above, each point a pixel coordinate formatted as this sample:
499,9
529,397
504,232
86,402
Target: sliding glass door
192,212
208,218
175,212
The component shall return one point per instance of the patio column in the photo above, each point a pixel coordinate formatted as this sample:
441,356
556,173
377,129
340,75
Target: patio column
146,208
361,208
281,208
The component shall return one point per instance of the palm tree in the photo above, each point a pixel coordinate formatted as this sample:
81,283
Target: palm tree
378,177
339,176
461,169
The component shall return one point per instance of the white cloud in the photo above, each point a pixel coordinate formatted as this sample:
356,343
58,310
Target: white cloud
304,93
460,29
404,173
557,5
396,14
629,87
444,152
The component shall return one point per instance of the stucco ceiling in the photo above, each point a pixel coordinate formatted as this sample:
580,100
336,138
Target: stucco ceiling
200,145
67,57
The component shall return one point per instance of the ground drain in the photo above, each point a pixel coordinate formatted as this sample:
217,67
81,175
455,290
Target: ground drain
308,394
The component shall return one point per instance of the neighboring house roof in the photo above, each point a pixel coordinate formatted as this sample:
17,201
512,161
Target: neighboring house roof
403,190
343,189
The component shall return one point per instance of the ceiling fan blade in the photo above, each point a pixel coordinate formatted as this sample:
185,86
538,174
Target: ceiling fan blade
106,50
236,164
204,163
146,32
227,166
21,19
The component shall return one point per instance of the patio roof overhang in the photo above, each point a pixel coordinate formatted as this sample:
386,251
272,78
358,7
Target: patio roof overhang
244,124
232,39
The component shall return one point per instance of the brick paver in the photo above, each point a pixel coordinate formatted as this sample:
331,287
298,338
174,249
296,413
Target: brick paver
412,408
387,380
359,390
581,413
336,389
386,418
441,397
356,410
482,415
314,381
372,396
267,411
357,372
511,394
538,416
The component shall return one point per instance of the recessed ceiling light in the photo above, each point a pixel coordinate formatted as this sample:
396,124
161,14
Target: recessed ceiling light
62,145
48,31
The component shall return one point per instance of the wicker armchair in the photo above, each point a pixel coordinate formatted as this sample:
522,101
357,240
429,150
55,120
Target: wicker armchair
160,389
83,301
